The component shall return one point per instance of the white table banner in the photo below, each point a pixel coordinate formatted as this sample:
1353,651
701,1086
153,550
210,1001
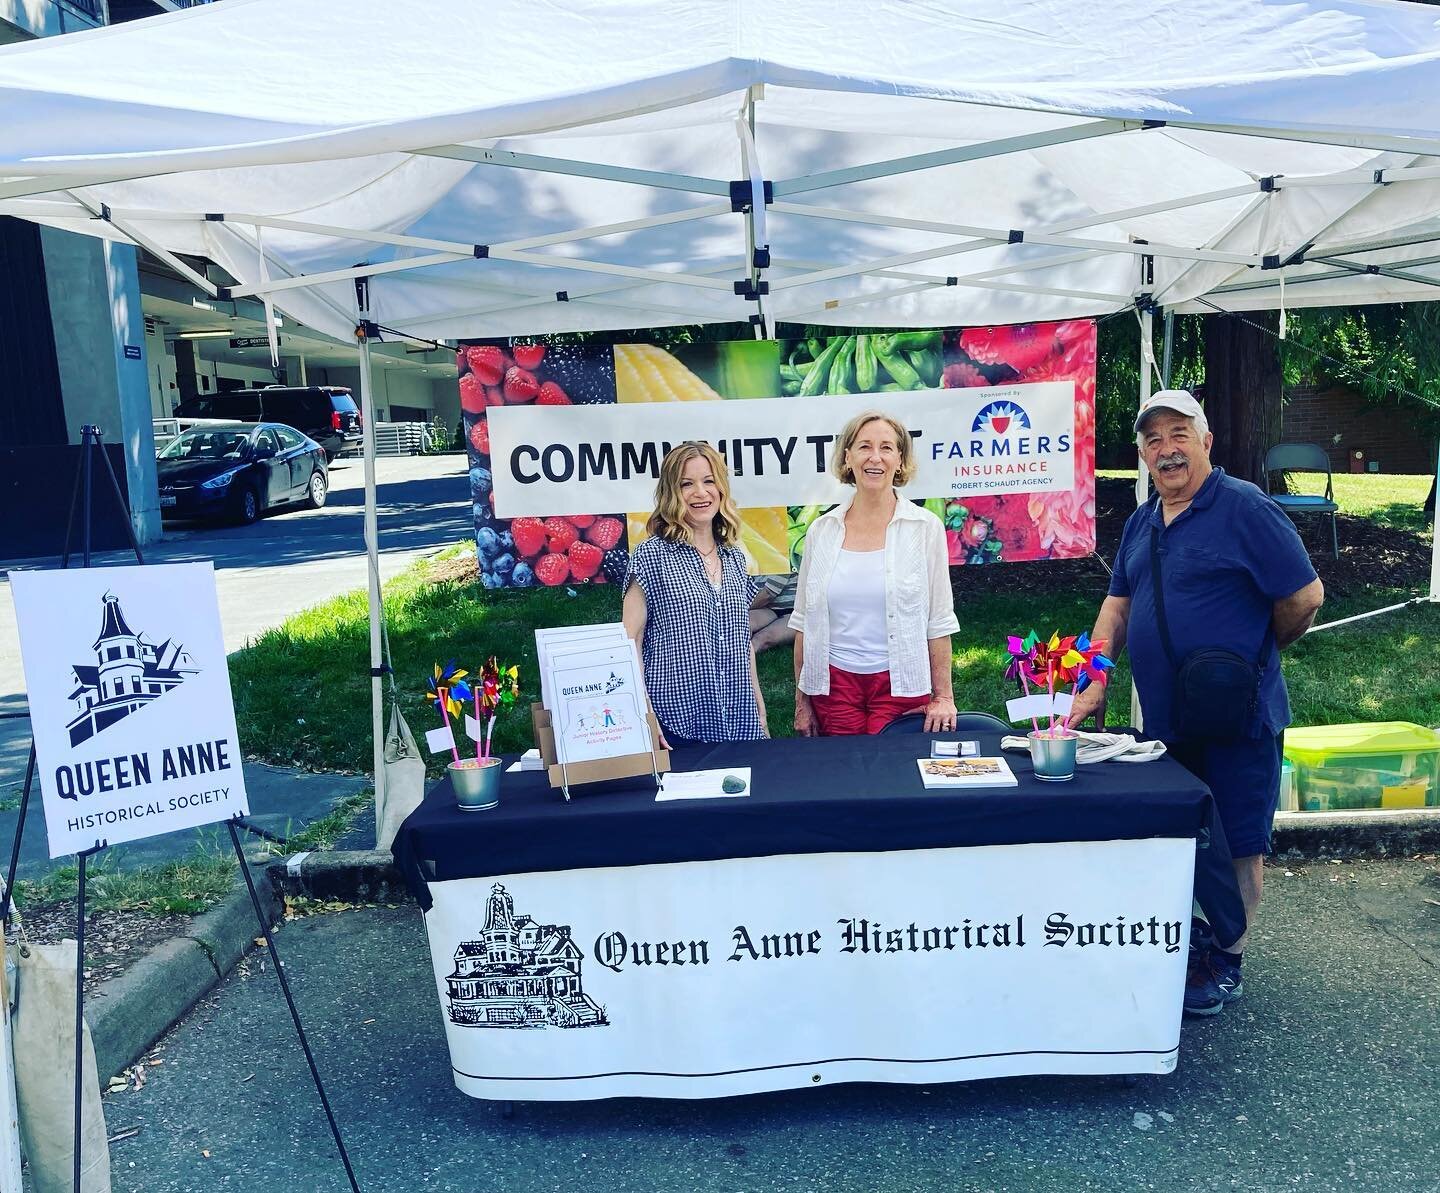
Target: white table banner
705,979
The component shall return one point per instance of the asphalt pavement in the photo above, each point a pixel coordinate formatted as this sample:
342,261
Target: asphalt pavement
288,561
1326,1076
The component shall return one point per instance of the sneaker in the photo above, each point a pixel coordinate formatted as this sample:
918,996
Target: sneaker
1211,984
1202,937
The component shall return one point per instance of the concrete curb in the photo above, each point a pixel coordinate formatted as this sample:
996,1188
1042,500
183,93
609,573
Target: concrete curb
362,875
1375,833
131,1012
371,876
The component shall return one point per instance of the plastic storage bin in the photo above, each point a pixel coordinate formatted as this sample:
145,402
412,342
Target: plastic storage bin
1289,800
1388,764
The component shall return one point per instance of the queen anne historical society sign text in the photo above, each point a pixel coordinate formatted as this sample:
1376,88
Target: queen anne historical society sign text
702,979
130,701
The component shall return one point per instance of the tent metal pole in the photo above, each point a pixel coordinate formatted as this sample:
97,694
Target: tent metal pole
135,236
1435,543
548,299
1142,478
1169,349
760,325
358,272
372,542
578,169
950,157
1120,301
454,246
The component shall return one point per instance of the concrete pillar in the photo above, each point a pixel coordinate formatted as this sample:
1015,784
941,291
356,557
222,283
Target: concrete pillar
294,368
187,366
94,291
160,367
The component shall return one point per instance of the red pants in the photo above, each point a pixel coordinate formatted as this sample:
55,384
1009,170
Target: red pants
861,703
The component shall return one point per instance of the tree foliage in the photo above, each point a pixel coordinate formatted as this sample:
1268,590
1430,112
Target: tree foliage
1386,353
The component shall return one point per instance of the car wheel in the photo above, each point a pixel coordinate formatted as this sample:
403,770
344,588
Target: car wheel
247,506
317,490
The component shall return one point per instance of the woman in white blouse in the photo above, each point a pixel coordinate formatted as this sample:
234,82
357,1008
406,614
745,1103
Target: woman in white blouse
873,608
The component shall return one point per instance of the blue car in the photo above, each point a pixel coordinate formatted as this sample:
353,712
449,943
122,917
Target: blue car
237,471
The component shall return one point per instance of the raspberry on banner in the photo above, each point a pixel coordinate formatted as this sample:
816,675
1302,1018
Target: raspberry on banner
552,570
606,532
585,559
560,533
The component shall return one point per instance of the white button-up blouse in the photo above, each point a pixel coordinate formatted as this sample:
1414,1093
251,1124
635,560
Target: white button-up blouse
919,605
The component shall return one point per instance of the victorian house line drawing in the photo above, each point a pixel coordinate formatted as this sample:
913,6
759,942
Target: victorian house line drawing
519,974
128,673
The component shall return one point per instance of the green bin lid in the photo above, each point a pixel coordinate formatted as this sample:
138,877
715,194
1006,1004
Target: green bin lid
1377,737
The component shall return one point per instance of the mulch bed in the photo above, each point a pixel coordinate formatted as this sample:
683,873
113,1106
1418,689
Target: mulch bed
1370,555
114,940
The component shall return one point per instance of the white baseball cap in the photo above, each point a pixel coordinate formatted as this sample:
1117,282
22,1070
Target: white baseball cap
1181,401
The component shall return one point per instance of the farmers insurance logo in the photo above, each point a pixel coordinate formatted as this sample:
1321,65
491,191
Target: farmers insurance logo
999,417
128,673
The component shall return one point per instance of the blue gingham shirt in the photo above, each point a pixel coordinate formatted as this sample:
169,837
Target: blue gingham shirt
697,641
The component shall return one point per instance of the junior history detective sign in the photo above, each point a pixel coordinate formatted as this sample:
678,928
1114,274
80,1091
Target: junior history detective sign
129,701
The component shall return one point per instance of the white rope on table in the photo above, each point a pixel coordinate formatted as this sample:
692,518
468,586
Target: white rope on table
1101,747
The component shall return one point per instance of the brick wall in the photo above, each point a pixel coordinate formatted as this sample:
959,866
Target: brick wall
1341,422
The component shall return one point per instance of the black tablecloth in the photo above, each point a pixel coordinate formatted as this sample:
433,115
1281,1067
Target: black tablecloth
811,795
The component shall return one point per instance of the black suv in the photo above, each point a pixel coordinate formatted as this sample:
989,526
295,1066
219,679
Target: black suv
325,413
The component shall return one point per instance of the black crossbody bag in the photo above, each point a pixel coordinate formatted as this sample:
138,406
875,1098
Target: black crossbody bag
1217,691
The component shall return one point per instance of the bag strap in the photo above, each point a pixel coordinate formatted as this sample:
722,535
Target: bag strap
1158,581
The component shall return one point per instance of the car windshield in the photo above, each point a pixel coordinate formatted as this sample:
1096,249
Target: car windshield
207,445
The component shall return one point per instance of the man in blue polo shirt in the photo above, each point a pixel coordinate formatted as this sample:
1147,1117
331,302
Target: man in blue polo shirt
1235,576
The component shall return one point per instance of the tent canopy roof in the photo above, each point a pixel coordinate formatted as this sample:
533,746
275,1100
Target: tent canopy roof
931,163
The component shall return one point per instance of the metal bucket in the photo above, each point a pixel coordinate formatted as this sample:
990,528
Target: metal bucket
1054,757
476,783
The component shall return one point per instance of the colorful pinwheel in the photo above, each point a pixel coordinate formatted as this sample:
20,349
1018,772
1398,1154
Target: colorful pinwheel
499,688
1055,662
448,692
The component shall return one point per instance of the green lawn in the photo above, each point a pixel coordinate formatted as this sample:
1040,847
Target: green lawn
1396,501
302,691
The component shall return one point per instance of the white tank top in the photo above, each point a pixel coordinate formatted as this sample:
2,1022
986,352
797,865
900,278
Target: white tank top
857,613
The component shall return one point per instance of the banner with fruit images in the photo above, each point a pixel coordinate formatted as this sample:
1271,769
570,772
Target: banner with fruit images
982,527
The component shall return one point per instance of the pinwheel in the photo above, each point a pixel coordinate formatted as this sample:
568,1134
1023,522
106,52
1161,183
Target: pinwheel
448,691
1095,664
1056,662
1022,663
499,687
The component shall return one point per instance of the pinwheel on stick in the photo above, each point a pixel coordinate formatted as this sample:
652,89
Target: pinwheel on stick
499,688
1073,660
448,692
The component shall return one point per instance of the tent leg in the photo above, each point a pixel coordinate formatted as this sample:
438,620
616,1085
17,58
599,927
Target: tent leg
372,550
1142,478
1435,544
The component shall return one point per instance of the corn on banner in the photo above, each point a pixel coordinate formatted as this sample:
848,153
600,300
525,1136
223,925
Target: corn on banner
1008,466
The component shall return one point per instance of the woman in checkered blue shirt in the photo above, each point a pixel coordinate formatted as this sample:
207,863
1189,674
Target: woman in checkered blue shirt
687,606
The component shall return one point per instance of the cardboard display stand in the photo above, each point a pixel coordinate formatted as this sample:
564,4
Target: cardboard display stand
624,766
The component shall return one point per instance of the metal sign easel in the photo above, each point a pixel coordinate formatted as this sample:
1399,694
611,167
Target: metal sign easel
81,499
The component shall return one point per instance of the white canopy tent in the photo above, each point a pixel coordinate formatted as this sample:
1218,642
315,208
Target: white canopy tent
513,168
